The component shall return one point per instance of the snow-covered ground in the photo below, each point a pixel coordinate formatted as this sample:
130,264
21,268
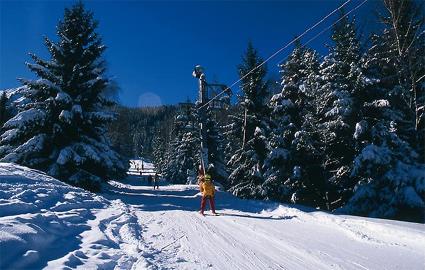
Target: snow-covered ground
47,224
141,165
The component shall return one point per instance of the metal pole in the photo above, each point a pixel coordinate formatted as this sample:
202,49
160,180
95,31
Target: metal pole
202,100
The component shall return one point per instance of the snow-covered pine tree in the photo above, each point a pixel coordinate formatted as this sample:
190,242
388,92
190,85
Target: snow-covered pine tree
389,172
61,130
255,92
293,165
5,114
399,57
216,144
182,157
246,178
390,181
341,86
158,152
233,131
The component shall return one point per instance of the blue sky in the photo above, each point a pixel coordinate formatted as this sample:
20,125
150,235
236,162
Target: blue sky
154,45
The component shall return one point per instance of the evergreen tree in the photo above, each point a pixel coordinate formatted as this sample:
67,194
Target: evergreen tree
398,59
216,145
293,165
255,92
4,110
246,165
182,157
387,169
61,130
342,82
233,131
159,150
390,181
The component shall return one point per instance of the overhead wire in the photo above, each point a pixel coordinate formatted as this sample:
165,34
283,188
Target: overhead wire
280,50
332,25
289,44
418,80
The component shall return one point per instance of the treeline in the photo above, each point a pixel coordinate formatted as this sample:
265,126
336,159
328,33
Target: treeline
133,130
346,133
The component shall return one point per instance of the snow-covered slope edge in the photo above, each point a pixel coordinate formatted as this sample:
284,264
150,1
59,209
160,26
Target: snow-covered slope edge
47,223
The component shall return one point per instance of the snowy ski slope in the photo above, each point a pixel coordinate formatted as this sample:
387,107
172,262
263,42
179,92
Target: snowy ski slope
47,224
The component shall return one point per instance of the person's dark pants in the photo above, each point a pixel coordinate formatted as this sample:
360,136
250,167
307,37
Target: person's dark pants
204,202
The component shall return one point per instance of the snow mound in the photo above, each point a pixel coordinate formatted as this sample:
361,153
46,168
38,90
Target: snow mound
45,223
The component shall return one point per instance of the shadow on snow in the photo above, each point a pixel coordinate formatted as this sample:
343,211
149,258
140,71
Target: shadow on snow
188,198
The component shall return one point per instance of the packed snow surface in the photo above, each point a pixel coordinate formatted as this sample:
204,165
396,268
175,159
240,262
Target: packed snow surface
45,223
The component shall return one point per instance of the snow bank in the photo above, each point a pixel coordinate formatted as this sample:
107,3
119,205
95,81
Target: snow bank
47,223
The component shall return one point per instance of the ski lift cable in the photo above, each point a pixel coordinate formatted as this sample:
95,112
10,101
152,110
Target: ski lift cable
332,25
423,76
280,50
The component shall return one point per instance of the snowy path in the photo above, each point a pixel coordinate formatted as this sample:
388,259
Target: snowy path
45,223
260,235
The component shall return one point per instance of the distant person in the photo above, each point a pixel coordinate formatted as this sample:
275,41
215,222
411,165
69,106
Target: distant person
150,180
156,181
208,191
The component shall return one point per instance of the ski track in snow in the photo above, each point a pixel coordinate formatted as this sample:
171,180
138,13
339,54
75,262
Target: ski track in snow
264,235
47,224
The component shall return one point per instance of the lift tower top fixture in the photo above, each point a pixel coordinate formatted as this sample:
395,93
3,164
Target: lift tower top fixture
198,73
206,93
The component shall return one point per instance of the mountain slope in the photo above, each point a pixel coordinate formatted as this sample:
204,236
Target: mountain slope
45,223
262,235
